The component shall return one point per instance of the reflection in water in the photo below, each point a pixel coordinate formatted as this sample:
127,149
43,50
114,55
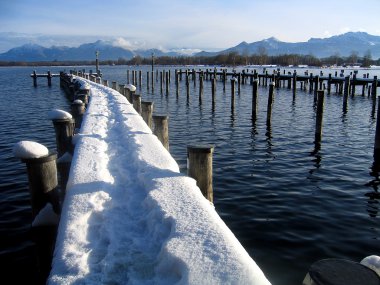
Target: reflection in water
374,196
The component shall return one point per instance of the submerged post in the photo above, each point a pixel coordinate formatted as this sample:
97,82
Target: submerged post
200,167
161,129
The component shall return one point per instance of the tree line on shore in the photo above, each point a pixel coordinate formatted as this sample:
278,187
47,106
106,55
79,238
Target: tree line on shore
225,59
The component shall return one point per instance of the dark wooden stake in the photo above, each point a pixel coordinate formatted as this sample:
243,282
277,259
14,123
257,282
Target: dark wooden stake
161,129
147,112
200,168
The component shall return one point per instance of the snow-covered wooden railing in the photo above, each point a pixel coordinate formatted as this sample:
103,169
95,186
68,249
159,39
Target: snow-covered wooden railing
130,216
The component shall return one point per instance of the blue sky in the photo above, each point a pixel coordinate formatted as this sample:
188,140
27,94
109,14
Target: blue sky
206,24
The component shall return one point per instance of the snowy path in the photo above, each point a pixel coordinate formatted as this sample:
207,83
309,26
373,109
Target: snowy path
130,217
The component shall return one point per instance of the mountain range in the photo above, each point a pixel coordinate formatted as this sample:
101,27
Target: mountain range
342,45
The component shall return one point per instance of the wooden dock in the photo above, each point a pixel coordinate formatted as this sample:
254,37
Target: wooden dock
48,75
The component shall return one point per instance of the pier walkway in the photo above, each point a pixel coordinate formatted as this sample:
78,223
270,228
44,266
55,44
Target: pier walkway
130,216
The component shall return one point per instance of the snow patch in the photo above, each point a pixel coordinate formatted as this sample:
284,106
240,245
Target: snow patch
29,149
57,114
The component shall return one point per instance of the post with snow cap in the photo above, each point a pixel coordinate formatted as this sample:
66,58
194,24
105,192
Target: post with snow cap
77,111
200,168
42,174
147,112
131,91
64,130
161,129
270,103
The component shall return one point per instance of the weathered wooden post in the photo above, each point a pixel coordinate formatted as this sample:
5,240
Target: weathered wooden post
105,82
374,87
270,103
152,81
224,79
49,76
127,76
161,81
64,130
329,84
42,175
147,80
353,85
136,98
177,82
147,112
161,129
233,80
213,89
319,118
77,111
140,78
346,92
200,88
34,76
114,85
254,99
131,90
316,83
200,168
376,152
239,81
294,84
167,82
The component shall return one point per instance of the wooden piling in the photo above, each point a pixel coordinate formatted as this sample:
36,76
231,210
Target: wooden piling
64,131
147,80
77,111
270,103
213,90
233,80
161,129
200,168
374,87
34,76
376,151
200,88
319,117
254,99
346,92
316,84
136,98
147,112
167,82
49,76
43,182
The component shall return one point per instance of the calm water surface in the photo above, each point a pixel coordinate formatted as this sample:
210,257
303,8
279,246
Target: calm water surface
288,205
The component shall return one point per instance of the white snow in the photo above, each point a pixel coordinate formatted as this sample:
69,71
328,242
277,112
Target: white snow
372,262
130,216
46,217
57,114
131,87
29,149
78,102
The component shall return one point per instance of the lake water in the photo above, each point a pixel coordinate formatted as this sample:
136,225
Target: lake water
287,205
